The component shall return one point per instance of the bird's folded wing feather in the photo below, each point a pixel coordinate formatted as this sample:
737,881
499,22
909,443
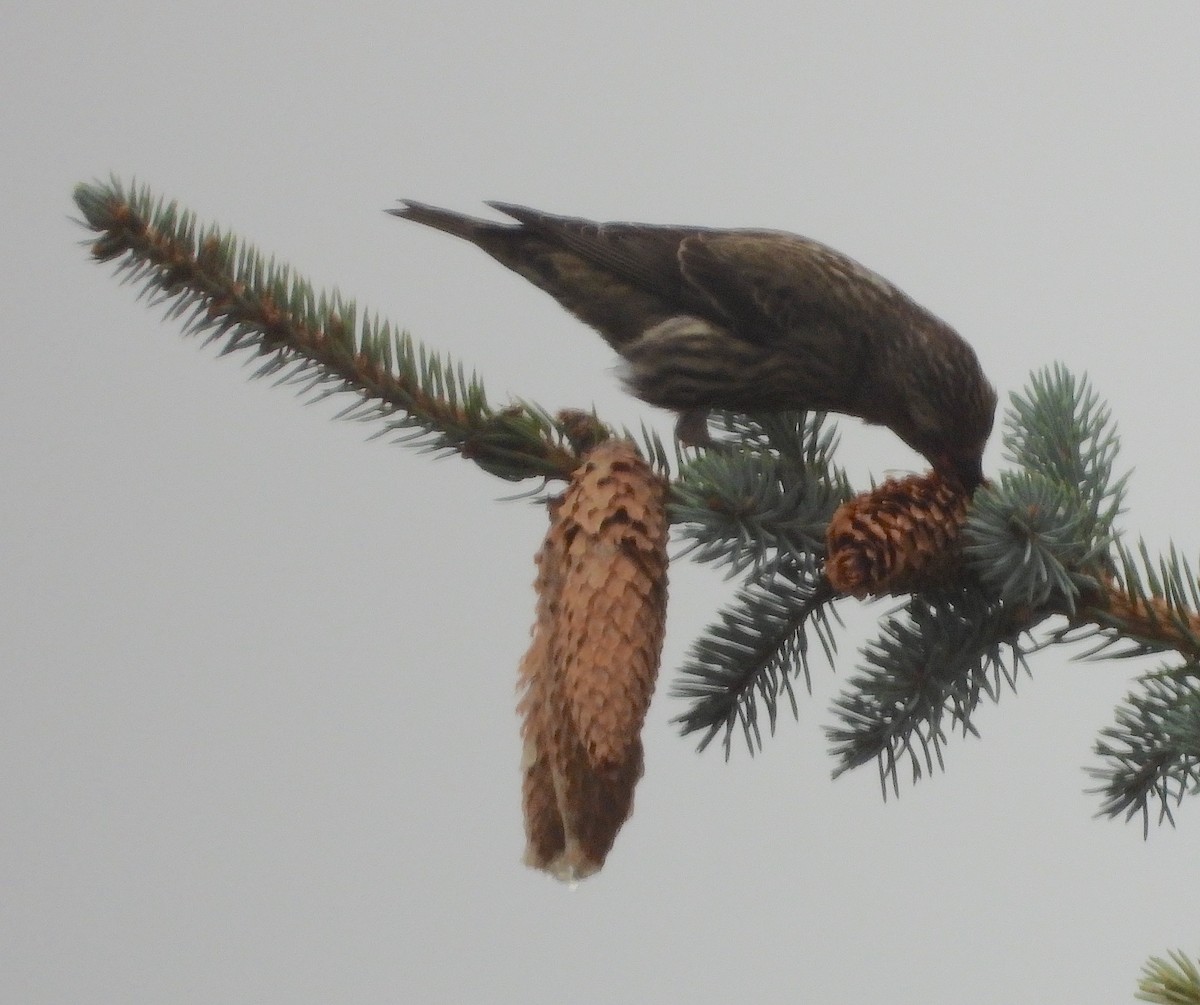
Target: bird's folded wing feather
640,254
773,282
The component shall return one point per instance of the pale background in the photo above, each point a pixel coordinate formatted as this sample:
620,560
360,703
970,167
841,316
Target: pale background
258,740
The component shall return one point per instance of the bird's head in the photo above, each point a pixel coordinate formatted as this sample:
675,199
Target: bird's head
950,413
965,468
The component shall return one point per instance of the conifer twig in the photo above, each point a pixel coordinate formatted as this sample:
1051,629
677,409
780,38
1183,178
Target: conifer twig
230,293
1175,981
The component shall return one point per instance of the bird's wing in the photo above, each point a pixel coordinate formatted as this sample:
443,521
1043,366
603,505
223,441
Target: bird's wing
642,255
769,282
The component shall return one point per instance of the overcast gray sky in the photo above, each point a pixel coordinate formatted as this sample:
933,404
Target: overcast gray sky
258,740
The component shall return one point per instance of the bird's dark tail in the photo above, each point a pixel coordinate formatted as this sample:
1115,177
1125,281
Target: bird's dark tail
458,224
534,250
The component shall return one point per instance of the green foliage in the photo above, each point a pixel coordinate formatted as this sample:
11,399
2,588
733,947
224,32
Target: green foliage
1060,429
761,507
770,498
752,652
1167,588
1152,752
1170,982
1038,535
1027,539
320,343
932,663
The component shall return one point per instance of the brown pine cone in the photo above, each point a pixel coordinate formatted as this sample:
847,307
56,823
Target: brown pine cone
591,667
897,538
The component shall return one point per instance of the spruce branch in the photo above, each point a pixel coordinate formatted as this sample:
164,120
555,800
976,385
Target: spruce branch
1039,542
752,652
934,660
1153,750
1028,539
1033,544
315,341
1060,429
762,507
1151,606
772,496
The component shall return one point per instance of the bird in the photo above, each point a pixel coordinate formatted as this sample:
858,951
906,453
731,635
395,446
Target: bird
749,320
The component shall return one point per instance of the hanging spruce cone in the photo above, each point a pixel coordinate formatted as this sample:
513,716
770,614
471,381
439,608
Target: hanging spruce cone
590,670
750,321
900,537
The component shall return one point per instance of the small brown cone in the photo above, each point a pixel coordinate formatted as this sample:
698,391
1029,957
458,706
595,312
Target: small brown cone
900,537
591,667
